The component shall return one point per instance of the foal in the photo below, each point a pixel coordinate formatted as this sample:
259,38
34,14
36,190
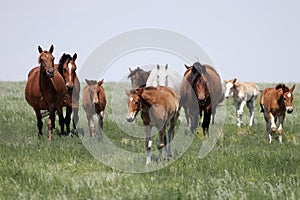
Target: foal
94,102
274,102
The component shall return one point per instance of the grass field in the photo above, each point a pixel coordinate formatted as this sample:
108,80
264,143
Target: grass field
242,165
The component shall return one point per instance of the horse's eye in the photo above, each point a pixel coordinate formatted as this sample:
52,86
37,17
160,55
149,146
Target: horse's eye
137,102
284,98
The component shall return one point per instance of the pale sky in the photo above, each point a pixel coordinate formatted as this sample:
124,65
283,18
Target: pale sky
251,40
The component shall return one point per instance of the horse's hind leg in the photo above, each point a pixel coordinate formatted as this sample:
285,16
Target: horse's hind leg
39,123
100,124
171,134
51,122
251,106
148,143
75,118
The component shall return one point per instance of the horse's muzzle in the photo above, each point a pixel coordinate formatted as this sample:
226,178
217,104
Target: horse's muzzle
201,102
130,117
50,74
289,109
69,87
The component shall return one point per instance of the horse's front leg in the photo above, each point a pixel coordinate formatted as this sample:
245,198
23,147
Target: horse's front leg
91,124
251,106
206,122
280,128
75,118
162,139
238,106
100,125
61,120
51,121
68,118
39,122
148,143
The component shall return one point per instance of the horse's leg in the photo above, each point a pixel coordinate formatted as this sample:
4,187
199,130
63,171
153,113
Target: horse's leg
162,137
51,121
91,125
39,122
75,118
171,134
68,118
237,108
206,122
251,106
148,143
280,128
100,126
61,120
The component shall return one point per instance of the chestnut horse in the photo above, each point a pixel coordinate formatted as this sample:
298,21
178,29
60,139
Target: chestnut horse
159,107
67,69
45,90
138,77
274,102
200,91
94,102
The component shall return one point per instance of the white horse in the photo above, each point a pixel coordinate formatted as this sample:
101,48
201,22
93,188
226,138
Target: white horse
163,76
243,94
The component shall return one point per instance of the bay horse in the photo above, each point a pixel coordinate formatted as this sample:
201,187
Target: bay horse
244,93
274,102
67,68
200,91
163,76
94,102
159,106
138,77
45,90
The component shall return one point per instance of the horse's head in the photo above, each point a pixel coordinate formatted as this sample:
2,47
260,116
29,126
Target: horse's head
162,76
201,90
138,77
288,96
67,69
46,60
230,85
134,103
95,88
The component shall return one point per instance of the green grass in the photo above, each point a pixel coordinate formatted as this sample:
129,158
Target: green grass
242,165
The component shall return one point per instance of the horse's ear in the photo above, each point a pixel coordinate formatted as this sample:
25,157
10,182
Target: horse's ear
130,70
234,81
157,66
90,82
100,82
186,66
127,92
166,66
139,91
292,88
74,56
51,49
40,49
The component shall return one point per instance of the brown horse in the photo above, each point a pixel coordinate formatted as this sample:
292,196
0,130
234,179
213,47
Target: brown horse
274,102
94,102
138,77
159,106
45,90
200,91
67,69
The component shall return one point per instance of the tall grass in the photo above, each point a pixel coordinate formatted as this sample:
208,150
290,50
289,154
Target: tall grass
242,164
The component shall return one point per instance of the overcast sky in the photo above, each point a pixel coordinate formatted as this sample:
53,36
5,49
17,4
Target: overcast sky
252,40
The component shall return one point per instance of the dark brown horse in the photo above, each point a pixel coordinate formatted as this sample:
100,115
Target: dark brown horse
67,69
94,102
200,91
159,106
45,90
138,77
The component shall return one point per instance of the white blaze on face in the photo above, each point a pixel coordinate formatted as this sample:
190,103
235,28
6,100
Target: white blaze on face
70,71
289,95
229,85
131,99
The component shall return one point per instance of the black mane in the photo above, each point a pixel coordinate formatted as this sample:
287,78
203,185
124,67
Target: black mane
62,60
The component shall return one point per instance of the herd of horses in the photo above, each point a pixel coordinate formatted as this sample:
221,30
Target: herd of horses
156,94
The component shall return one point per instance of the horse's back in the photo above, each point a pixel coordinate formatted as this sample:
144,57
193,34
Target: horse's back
214,85
267,97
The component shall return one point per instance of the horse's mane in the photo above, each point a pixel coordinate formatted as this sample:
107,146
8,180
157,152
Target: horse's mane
283,87
62,60
135,71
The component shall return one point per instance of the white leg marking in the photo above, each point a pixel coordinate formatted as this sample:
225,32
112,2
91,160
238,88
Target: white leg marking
272,119
280,139
270,138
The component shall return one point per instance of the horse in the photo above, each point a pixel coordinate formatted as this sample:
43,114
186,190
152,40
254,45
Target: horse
45,90
94,102
274,102
244,93
200,91
163,76
67,69
159,106
138,77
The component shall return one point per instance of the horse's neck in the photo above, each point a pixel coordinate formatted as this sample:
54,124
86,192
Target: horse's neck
46,84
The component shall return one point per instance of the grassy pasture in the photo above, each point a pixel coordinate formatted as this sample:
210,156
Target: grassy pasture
242,165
